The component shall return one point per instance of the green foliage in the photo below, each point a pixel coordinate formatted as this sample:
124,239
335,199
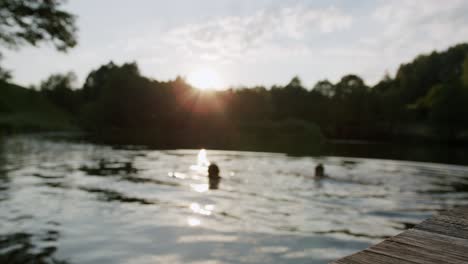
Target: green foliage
325,88
120,104
5,75
58,88
290,135
465,72
34,21
25,109
349,85
290,101
446,106
415,79
116,97
426,100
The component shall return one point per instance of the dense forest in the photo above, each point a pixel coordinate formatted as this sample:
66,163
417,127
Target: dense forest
425,100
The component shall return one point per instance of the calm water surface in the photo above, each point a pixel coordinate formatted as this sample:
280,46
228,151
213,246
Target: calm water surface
64,202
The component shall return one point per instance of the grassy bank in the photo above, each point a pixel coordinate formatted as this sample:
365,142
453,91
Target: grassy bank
25,110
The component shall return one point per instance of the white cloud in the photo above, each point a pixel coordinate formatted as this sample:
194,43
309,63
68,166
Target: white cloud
233,36
420,25
314,43
397,31
407,28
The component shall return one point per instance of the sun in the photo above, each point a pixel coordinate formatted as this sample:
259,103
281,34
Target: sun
205,79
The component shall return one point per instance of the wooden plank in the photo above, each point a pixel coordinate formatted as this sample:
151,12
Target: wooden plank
461,212
433,241
417,254
455,220
440,239
449,227
369,257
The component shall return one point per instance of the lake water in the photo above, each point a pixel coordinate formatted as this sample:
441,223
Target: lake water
72,202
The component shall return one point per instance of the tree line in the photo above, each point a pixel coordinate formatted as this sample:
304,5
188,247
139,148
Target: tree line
426,100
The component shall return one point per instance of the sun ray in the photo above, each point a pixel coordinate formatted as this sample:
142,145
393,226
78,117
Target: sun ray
205,79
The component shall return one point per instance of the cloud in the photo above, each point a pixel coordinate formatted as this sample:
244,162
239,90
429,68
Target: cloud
397,31
315,43
422,24
231,37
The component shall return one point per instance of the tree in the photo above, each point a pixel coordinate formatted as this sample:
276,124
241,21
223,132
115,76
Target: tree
349,85
447,108
295,83
350,106
34,21
290,101
59,81
325,88
465,71
58,88
5,75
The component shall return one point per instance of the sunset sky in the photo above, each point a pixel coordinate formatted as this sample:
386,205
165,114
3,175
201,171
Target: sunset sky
249,42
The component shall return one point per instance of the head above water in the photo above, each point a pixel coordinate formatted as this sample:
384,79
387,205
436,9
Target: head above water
213,170
319,170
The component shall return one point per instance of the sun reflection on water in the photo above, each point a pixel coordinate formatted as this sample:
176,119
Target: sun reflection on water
202,162
177,175
203,210
202,187
202,158
192,221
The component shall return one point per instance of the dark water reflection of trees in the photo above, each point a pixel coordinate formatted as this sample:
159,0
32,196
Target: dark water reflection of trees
24,247
436,153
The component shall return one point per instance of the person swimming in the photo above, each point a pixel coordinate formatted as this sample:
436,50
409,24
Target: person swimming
319,171
213,176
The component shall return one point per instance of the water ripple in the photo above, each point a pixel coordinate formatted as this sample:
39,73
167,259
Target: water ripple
95,204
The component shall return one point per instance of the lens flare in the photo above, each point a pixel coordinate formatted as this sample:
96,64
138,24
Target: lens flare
202,159
205,79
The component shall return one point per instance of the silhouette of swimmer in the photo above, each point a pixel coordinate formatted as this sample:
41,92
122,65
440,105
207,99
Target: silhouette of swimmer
128,168
213,176
319,171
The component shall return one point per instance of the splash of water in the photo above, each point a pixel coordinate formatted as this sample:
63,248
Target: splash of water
202,162
202,159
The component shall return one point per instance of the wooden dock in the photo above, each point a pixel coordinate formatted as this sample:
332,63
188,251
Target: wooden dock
440,239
